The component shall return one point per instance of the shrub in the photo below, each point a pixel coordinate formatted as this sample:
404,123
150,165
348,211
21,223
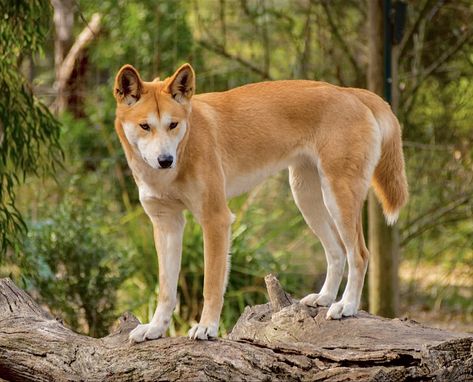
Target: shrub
75,261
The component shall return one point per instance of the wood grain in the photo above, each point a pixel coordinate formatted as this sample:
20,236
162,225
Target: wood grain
293,344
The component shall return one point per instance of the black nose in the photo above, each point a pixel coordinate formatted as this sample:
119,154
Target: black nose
165,161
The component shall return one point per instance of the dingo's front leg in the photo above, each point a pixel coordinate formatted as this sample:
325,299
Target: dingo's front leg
216,230
168,231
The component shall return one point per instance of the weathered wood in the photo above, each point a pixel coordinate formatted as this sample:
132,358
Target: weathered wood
294,344
278,298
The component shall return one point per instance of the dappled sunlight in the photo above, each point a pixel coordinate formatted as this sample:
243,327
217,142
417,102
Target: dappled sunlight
73,231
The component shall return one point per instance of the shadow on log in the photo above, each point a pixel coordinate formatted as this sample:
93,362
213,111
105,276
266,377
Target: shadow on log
281,340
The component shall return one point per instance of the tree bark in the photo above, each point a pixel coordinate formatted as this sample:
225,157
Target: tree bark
297,343
63,25
70,67
383,241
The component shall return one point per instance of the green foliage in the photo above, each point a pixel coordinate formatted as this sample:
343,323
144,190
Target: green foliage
229,43
158,37
76,260
24,27
250,261
28,132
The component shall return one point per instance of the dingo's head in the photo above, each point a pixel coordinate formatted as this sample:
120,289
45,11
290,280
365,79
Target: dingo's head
154,115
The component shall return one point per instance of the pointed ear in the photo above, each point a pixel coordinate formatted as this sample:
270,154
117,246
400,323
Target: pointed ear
182,84
128,85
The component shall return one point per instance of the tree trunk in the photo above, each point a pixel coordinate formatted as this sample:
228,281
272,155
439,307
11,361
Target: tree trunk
63,39
296,343
383,242
63,25
70,58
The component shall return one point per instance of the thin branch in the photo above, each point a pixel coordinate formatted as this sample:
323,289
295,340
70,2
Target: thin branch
468,59
336,33
426,146
216,48
437,64
428,227
82,17
433,216
305,55
223,24
266,40
438,211
410,34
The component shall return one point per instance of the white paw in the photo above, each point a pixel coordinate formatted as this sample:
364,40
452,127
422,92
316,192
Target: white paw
341,308
203,332
317,299
145,332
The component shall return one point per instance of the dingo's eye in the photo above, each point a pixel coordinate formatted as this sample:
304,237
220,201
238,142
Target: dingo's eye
172,125
144,126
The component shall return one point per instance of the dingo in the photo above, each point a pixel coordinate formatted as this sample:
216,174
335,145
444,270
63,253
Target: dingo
194,152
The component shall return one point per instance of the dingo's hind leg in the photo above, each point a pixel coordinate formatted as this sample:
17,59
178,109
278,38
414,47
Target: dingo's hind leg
306,189
357,265
344,189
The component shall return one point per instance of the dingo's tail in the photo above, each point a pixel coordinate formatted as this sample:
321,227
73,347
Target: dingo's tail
389,180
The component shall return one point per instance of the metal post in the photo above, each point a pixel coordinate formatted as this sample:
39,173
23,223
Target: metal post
388,45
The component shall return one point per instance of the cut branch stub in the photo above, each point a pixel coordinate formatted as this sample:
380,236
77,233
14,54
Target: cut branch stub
16,302
278,298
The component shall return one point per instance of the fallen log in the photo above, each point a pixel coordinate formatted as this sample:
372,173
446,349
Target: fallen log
295,343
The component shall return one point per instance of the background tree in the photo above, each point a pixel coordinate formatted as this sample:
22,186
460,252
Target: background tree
231,43
29,135
383,241
74,265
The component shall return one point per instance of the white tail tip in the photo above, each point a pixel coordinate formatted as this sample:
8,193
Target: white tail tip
391,218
